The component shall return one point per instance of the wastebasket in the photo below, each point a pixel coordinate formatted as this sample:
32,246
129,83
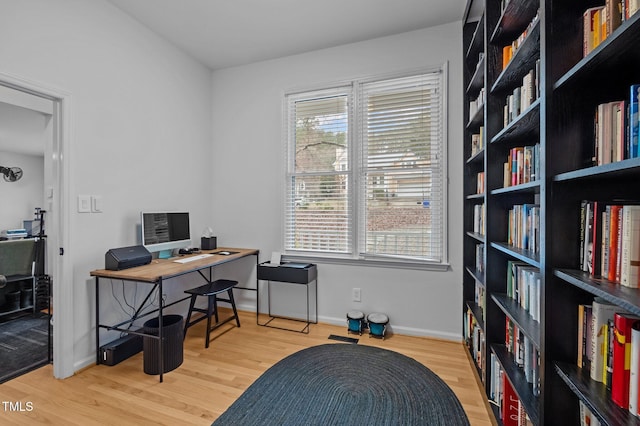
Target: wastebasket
172,349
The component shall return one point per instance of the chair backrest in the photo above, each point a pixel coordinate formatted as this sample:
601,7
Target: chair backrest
17,257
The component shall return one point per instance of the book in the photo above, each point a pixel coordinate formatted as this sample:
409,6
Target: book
603,311
630,263
609,358
607,330
614,16
509,409
613,242
623,324
634,120
634,371
591,24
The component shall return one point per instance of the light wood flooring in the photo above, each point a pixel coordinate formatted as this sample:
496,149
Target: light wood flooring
209,380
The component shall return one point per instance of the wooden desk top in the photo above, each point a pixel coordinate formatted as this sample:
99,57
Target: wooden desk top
167,268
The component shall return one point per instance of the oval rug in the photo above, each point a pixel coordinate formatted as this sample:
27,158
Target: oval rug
346,384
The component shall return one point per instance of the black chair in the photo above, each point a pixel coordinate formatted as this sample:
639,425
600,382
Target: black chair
211,291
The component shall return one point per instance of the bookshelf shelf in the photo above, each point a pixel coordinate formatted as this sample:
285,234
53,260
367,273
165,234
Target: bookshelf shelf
519,316
527,256
606,59
477,275
477,119
594,395
529,188
476,310
519,382
527,123
627,298
475,196
477,81
523,60
476,158
476,46
624,168
513,21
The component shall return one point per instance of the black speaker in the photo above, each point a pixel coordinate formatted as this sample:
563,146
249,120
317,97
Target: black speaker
126,257
120,349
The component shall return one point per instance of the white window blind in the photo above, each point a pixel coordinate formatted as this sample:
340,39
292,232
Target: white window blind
402,171
366,170
318,194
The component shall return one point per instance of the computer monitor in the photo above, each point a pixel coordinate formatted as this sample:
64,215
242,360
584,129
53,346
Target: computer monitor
165,231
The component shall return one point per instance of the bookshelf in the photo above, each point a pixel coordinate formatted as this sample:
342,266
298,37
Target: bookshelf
503,43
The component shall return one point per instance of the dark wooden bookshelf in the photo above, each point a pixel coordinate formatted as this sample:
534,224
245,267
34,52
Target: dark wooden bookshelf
561,121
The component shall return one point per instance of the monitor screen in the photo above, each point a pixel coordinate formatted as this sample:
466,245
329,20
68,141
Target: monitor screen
165,230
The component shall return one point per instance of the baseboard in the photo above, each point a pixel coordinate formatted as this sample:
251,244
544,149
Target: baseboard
407,331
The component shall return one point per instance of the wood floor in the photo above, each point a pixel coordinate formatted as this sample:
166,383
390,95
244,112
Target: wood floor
209,380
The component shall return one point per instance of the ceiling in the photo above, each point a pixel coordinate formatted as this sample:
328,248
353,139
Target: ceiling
227,33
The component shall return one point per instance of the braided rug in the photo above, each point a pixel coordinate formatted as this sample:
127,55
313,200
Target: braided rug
346,384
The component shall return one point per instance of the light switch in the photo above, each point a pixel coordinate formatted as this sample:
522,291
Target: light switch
84,204
96,203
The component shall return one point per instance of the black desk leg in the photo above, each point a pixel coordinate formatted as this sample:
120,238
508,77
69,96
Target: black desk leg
160,346
97,320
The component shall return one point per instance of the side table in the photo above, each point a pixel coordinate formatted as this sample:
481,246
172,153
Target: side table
293,273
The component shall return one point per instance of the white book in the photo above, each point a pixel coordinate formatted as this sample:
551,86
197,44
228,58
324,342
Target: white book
602,312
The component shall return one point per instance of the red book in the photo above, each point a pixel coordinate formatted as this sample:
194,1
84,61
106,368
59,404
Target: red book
622,358
510,404
613,242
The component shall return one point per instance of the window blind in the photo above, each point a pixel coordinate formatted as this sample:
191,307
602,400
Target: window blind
318,201
366,170
402,176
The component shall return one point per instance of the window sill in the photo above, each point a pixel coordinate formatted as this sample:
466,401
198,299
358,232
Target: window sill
379,263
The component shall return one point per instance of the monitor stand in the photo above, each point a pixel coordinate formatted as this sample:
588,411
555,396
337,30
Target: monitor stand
165,254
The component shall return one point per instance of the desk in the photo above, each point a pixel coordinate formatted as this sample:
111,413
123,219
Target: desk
155,273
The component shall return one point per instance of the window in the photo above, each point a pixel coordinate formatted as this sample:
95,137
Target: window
366,170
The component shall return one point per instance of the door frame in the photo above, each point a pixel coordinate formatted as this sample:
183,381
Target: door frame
57,218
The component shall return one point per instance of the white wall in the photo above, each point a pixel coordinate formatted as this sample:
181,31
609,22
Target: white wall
144,116
140,128
247,134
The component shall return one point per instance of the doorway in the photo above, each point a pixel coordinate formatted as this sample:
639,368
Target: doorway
52,106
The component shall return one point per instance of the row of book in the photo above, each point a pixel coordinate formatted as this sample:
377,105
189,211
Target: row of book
599,22
525,354
474,336
480,257
480,183
523,286
617,129
476,104
477,141
524,227
510,50
502,394
479,214
522,165
480,297
609,349
522,97
610,241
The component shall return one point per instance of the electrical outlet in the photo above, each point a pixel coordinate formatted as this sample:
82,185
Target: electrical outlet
355,293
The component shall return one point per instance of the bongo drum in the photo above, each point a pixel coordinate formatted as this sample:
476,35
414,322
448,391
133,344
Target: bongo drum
377,324
355,322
